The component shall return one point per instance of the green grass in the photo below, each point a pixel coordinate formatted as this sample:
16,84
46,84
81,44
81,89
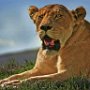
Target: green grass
12,67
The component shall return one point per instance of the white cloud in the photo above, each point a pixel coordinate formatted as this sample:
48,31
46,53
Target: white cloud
6,42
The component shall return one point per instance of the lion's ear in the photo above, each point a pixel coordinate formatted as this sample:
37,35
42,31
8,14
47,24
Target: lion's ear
32,10
79,13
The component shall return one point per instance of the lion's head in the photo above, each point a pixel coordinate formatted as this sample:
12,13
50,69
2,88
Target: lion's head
55,25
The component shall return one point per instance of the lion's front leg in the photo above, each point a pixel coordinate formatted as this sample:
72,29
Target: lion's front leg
18,77
56,76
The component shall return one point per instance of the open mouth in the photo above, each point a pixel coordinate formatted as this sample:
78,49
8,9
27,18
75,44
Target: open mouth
50,44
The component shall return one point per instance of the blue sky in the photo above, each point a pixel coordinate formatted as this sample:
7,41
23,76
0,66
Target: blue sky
17,31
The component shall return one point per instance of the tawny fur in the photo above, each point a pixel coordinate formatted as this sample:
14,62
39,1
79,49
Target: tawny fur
73,58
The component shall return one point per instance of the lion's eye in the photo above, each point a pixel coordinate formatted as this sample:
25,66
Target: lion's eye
41,16
58,16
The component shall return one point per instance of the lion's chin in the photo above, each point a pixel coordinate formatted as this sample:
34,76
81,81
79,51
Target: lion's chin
49,53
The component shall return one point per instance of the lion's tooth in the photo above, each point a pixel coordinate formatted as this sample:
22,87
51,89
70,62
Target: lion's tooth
46,42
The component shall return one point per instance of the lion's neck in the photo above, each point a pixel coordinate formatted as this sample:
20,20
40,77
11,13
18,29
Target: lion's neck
77,49
79,35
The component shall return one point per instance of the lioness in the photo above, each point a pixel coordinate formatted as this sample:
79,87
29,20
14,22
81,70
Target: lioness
65,49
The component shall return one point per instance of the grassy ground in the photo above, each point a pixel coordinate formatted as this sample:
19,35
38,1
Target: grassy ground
12,67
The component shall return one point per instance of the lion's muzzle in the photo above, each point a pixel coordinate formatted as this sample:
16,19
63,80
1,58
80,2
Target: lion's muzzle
50,44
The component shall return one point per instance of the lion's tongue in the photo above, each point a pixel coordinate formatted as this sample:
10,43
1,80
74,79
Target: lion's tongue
49,42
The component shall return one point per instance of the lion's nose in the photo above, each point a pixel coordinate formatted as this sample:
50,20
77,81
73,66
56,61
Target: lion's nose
45,27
